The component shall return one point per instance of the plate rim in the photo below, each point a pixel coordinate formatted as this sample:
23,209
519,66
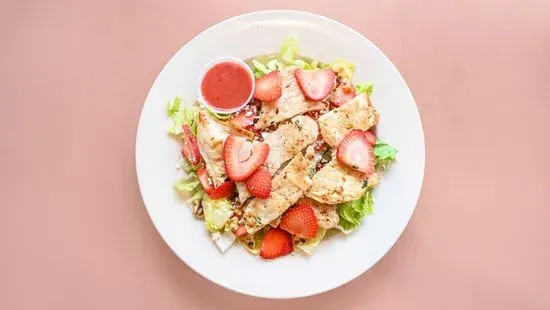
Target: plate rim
422,151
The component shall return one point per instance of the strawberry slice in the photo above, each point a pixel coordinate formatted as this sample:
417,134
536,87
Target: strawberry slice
242,157
268,87
356,152
259,184
240,232
225,190
300,220
190,147
315,84
205,180
371,137
276,243
343,93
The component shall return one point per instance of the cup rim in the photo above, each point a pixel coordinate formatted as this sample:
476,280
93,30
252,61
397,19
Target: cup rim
207,67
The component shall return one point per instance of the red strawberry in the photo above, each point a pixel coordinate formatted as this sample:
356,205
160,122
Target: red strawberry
206,183
240,232
277,242
242,120
343,93
300,220
371,137
190,147
268,87
259,184
242,157
225,190
315,84
356,152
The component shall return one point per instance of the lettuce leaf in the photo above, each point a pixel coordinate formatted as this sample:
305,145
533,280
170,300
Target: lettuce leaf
260,69
253,243
190,187
364,88
187,185
384,154
288,50
344,68
312,244
351,213
180,115
216,213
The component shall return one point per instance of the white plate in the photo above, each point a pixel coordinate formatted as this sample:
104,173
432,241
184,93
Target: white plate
339,259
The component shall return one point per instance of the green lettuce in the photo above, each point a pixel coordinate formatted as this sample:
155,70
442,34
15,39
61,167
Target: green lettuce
216,213
312,244
288,50
351,213
384,154
364,88
190,187
260,69
344,68
253,243
181,115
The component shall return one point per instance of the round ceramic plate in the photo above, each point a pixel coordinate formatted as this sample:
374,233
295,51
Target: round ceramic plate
340,258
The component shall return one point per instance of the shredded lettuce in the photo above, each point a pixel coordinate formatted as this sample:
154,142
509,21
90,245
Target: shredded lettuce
312,244
351,213
253,243
260,69
303,64
384,154
288,50
220,116
180,115
190,186
185,185
274,64
216,213
344,68
364,88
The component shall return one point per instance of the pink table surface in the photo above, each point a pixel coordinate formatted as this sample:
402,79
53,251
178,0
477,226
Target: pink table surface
74,233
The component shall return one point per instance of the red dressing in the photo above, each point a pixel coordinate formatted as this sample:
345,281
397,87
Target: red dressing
227,85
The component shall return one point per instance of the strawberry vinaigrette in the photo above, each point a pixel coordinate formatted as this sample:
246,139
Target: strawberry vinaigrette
226,86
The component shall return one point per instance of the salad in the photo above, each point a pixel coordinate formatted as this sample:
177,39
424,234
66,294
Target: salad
301,158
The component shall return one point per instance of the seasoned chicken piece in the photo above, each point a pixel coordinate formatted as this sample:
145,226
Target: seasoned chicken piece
242,191
335,183
291,103
288,140
358,113
327,215
211,135
287,187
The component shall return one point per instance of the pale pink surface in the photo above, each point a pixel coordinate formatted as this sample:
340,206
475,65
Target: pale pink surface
74,233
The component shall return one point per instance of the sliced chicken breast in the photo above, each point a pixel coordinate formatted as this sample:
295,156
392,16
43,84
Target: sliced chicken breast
291,103
327,215
287,187
358,113
288,140
242,191
211,136
335,183
284,143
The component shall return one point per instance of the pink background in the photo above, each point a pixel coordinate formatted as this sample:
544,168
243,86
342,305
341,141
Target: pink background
74,233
